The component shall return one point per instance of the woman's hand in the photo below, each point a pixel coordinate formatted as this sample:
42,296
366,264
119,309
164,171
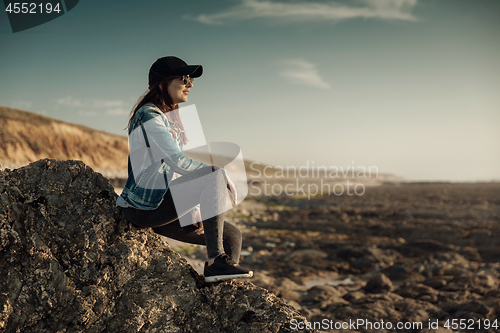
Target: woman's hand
197,222
232,188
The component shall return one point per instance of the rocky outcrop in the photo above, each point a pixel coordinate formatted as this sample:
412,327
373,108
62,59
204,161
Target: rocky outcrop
70,262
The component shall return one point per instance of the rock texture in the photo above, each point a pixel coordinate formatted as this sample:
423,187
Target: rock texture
70,262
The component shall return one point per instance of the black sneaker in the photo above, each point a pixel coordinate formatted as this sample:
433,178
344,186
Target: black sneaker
224,268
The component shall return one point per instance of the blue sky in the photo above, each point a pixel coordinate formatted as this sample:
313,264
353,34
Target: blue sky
408,86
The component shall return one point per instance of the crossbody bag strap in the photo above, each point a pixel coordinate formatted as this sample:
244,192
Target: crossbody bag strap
150,152
147,141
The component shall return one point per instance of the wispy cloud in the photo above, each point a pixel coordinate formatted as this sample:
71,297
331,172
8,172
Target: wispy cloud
21,104
69,101
293,12
95,106
117,111
107,103
305,73
87,113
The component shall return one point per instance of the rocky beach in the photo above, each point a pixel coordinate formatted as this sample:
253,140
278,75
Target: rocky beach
401,257
417,255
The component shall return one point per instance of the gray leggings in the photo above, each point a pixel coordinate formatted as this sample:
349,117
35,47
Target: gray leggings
220,236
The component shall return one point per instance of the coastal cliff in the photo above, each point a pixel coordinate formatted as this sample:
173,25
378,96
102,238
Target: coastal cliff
27,137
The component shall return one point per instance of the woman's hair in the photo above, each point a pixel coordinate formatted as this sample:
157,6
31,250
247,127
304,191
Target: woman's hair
157,94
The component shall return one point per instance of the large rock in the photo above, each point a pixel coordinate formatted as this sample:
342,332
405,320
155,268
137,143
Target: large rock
70,262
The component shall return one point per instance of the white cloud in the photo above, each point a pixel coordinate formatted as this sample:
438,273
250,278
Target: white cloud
20,104
107,103
94,106
292,12
87,113
303,72
69,101
117,111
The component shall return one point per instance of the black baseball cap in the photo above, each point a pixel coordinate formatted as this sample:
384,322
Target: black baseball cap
172,66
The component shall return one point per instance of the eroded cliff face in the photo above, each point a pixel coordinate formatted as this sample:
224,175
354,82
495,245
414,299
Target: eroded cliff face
27,136
70,262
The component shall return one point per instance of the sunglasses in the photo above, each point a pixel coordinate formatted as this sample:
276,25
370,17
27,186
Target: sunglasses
185,79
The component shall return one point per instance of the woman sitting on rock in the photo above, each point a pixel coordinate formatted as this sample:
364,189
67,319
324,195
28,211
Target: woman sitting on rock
155,126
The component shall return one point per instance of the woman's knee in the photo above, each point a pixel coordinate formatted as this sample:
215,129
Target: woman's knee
216,181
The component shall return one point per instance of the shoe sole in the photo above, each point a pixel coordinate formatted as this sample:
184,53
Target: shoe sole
227,277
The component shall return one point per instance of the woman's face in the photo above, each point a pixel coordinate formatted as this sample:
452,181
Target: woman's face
179,91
